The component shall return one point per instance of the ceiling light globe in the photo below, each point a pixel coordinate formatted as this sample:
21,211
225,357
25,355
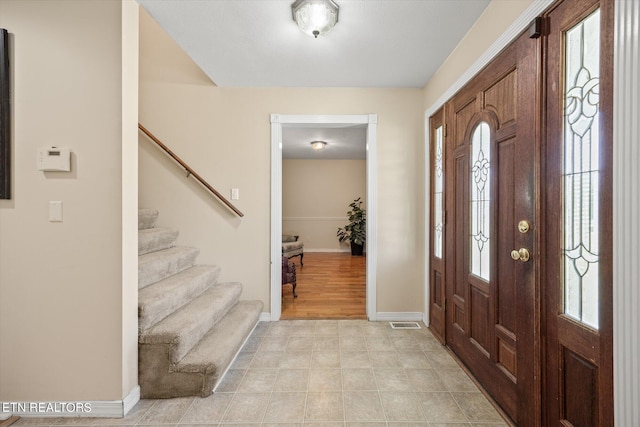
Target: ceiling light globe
315,17
318,145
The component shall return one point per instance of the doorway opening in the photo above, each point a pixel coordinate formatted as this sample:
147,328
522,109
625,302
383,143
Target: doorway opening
283,123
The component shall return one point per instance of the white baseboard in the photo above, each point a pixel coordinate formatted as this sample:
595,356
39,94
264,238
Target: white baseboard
265,317
87,409
390,316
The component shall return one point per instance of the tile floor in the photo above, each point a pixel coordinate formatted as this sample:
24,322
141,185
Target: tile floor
326,373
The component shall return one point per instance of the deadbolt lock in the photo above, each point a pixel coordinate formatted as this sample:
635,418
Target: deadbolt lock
523,226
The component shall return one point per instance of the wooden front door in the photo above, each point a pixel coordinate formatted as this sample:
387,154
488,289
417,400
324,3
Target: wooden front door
578,220
492,259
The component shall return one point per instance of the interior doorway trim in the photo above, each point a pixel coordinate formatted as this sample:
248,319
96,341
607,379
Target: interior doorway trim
278,121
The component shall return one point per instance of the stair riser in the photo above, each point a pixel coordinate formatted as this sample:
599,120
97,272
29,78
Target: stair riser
174,297
153,242
205,313
159,380
147,218
156,270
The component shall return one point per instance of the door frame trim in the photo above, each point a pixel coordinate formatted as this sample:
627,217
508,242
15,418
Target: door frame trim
277,122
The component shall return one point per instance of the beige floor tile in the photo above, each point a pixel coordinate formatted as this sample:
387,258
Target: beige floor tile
330,328
452,425
325,380
441,407
355,359
243,360
253,343
258,381
364,424
401,406
363,406
296,360
476,407
352,343
405,343
376,329
286,407
455,379
261,329
134,415
209,409
325,406
324,424
303,330
359,379
349,329
325,359
326,343
74,421
414,359
267,359
429,344
200,425
167,411
392,379
440,360
249,407
378,343
231,381
292,380
300,344
385,359
35,421
425,380
277,343
281,328
415,424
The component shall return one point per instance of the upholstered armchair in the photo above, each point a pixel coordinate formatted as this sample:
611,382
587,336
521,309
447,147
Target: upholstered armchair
289,274
292,246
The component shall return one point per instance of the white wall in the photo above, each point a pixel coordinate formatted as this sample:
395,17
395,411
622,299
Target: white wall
62,302
224,133
315,199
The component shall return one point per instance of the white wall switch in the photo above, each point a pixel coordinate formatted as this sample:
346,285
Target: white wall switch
55,211
235,194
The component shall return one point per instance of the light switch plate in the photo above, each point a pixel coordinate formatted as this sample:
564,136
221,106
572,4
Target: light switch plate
55,211
235,194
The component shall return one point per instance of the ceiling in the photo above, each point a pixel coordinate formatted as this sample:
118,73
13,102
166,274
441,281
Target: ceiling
376,43
343,142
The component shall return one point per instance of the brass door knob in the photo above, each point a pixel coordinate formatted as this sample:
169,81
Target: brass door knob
521,254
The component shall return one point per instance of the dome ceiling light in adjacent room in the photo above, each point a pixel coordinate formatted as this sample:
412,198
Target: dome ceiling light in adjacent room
315,17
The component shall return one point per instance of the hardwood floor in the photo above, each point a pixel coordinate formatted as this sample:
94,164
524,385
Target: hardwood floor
330,286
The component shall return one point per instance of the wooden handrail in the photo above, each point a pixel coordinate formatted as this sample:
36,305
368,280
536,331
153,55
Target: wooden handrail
190,171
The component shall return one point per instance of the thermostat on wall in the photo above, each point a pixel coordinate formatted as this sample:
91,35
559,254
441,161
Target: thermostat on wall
54,159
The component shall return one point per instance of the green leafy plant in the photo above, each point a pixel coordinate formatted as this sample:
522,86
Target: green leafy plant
356,230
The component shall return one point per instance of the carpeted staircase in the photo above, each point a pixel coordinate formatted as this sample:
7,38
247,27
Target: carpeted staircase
190,326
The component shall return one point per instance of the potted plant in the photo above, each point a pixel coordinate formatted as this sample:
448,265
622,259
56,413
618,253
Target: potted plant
356,230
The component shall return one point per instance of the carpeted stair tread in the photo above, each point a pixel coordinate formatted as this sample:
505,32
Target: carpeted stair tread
157,301
216,350
184,328
156,239
147,218
155,266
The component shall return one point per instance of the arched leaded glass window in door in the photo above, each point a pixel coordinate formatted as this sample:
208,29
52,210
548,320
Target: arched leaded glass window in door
582,170
480,192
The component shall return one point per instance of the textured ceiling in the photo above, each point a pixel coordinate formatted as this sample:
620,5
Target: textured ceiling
343,142
376,43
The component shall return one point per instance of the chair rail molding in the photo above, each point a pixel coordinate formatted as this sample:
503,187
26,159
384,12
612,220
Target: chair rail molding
278,121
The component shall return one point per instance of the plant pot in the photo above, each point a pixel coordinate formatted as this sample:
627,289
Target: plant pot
356,249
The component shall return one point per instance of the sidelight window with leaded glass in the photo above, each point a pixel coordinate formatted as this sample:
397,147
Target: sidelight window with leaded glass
438,198
581,170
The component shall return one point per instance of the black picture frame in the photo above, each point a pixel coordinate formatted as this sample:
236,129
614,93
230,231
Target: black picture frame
5,117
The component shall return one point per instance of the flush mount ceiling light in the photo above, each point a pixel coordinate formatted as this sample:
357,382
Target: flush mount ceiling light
318,145
315,17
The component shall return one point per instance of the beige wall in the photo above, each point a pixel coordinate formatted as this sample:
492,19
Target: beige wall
493,22
224,133
316,196
62,334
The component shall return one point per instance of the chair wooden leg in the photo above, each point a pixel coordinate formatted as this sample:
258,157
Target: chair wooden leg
293,285
301,255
